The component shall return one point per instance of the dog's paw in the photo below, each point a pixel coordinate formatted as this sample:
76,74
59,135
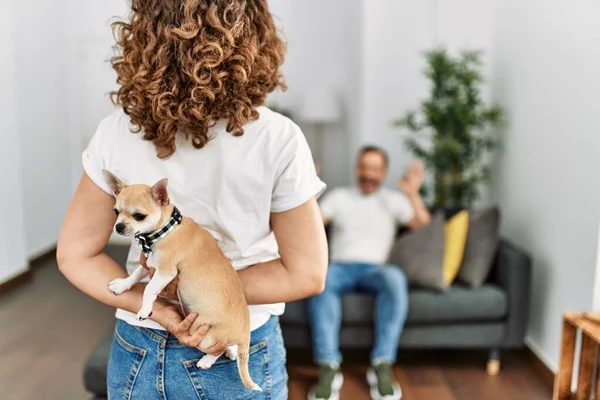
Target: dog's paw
119,286
206,362
144,313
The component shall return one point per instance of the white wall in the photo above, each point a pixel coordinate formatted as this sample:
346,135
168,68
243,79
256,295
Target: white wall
60,78
396,33
334,62
547,74
371,51
13,257
596,292
88,49
42,98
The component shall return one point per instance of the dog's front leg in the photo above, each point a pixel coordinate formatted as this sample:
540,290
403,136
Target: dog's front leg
158,282
120,285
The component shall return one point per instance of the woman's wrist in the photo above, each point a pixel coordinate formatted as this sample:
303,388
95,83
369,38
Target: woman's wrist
160,311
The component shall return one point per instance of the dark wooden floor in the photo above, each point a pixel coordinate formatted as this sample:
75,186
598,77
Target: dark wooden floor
48,328
435,376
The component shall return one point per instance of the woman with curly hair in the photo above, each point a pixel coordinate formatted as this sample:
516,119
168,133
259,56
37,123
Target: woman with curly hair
193,78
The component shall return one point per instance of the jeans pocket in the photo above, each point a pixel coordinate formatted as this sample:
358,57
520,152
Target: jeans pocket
123,367
222,381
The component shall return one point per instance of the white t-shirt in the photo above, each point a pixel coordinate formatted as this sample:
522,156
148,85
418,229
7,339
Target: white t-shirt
364,226
230,187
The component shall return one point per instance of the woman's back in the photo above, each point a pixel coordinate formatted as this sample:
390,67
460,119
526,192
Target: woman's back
230,186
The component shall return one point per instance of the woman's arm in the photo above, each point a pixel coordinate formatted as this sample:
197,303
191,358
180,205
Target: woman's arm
84,234
301,270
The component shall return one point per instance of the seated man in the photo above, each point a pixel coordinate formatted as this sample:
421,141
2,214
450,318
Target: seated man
364,223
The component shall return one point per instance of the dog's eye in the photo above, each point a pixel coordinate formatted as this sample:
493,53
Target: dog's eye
116,212
139,217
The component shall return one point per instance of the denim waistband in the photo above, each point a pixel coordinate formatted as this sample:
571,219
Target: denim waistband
161,336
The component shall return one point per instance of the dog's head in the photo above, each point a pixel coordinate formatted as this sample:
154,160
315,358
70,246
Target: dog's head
139,208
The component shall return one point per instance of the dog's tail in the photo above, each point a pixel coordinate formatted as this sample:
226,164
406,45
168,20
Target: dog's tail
242,364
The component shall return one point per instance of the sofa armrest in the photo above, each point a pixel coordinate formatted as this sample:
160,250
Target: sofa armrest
513,272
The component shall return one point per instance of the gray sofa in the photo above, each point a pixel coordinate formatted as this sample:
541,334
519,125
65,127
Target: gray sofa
493,317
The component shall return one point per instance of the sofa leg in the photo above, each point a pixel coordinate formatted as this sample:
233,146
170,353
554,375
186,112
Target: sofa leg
493,364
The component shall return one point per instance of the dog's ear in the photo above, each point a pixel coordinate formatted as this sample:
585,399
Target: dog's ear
159,192
113,182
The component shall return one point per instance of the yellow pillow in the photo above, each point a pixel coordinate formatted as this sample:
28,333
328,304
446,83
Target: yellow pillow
455,230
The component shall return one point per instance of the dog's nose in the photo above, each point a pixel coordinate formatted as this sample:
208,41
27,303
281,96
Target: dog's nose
120,228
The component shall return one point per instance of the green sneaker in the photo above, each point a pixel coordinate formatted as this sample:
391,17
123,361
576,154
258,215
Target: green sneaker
382,383
329,384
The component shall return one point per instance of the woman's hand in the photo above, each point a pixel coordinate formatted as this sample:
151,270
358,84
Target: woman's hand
169,317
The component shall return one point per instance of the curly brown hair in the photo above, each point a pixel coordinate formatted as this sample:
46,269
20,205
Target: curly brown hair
182,65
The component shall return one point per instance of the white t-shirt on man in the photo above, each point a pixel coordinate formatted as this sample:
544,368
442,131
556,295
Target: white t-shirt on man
364,226
230,187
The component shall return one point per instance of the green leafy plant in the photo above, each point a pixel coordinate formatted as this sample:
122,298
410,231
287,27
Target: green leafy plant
449,129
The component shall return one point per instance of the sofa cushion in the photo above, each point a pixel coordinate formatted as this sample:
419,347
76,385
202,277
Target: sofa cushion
459,304
420,254
94,372
455,238
295,313
481,247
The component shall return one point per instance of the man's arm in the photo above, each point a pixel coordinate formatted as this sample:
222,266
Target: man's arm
410,184
422,216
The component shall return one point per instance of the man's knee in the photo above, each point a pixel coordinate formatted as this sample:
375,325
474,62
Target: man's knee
397,288
333,280
395,277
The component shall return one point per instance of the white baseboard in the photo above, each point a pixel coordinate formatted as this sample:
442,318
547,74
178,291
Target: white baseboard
41,251
540,354
13,274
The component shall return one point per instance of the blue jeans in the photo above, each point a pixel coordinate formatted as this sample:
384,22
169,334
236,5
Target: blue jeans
148,364
386,282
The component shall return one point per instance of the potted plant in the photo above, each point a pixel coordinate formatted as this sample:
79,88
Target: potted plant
449,131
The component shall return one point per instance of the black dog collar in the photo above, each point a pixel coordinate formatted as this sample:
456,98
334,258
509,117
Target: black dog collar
146,240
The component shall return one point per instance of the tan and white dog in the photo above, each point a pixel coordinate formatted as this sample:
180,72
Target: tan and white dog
208,284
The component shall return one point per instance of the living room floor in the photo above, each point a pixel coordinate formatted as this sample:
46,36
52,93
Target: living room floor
40,360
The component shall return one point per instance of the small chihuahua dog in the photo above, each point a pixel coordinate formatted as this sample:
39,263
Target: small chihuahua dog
177,246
